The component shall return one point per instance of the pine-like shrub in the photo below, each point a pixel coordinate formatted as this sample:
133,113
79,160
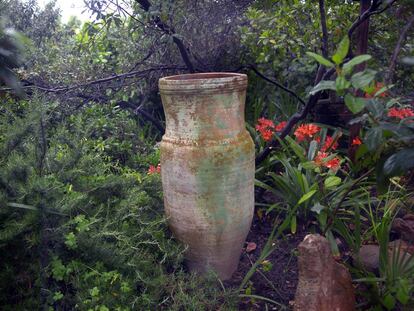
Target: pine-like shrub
81,221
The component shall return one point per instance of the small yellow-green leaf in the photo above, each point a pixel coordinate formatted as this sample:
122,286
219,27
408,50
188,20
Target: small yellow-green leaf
342,51
355,61
306,197
332,181
293,225
320,59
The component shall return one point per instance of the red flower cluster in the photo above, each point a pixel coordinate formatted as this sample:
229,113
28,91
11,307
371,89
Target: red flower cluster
320,160
400,113
371,93
329,143
267,128
306,131
154,170
280,126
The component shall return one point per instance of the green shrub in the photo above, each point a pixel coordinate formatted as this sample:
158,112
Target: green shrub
81,222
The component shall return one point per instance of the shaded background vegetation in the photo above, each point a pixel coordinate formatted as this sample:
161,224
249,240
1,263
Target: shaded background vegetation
81,221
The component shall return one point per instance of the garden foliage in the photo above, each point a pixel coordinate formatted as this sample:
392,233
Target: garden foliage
81,216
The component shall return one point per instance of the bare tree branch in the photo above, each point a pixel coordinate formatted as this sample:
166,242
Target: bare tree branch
325,37
374,9
149,117
362,33
167,29
325,40
125,75
397,49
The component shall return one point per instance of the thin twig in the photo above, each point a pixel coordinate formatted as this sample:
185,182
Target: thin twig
261,75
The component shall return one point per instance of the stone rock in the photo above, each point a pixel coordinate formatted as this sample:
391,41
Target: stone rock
405,227
368,257
324,284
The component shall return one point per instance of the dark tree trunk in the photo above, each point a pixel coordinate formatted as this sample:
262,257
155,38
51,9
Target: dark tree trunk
361,48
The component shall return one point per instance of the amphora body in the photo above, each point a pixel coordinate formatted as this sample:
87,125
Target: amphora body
207,168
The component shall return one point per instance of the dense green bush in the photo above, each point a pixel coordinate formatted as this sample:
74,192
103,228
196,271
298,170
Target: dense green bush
82,223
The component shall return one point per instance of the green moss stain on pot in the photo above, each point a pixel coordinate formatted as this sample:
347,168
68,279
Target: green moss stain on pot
207,160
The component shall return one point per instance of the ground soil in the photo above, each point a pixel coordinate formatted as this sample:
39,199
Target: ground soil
279,283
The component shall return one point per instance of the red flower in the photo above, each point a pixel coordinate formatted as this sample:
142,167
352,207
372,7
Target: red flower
400,113
266,134
329,144
280,126
320,157
356,141
333,164
265,127
371,93
320,160
154,170
306,131
266,122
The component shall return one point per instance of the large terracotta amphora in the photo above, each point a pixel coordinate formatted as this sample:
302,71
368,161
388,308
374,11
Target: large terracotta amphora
207,168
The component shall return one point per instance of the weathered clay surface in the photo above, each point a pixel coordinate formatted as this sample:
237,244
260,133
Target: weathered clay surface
207,160
324,284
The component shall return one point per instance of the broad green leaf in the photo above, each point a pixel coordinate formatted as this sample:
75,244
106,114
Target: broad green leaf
354,104
403,291
332,181
348,66
320,59
399,162
376,108
342,51
323,85
341,83
306,197
389,302
373,138
362,79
